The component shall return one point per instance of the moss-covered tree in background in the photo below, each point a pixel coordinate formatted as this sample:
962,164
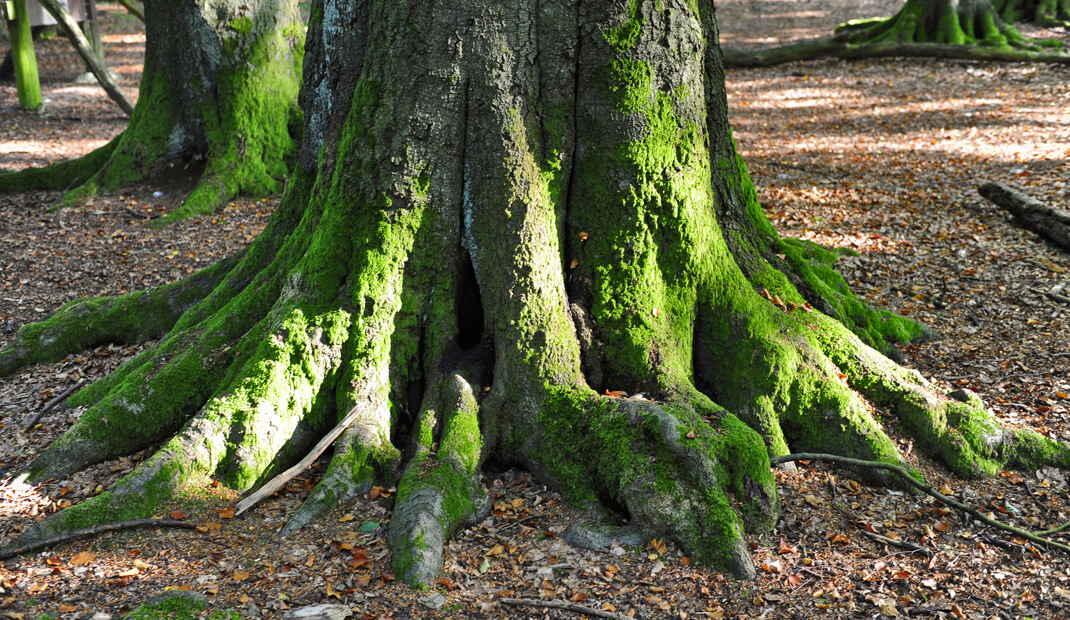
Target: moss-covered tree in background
219,89
516,231
960,22
1040,12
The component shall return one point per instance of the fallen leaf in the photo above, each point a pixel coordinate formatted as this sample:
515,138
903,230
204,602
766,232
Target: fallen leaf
941,526
812,500
81,558
575,263
346,518
578,597
240,575
178,515
227,513
66,609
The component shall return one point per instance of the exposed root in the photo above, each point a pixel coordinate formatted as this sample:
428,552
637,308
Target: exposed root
955,428
362,455
679,476
128,319
909,479
439,489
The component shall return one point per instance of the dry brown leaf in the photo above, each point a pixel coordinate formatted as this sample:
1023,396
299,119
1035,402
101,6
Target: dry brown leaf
81,558
227,513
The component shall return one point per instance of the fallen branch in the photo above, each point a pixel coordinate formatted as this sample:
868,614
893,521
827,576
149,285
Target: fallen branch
567,606
902,544
92,531
279,481
80,43
924,488
835,47
1049,222
50,405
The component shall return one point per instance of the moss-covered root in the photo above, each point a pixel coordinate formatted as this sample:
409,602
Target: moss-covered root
131,318
820,283
964,22
1047,13
363,454
955,428
60,176
439,490
267,417
699,482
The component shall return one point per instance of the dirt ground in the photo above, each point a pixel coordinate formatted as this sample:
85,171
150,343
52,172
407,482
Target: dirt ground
880,156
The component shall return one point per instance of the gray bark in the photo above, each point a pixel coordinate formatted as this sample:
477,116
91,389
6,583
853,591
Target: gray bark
1049,222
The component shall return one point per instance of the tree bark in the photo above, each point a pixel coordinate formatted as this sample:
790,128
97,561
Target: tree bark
219,88
516,230
1049,222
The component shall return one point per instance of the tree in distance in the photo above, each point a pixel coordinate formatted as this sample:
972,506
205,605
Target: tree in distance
519,232
219,89
963,29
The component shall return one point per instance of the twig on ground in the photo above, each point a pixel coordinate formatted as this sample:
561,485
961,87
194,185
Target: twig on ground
277,482
924,488
51,404
517,522
92,531
902,544
567,606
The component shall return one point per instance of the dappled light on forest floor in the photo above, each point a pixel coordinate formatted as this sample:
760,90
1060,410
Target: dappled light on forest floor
882,158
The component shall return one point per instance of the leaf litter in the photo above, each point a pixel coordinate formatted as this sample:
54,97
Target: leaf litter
882,157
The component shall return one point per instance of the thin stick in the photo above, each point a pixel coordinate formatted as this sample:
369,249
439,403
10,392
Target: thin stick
51,404
567,606
902,544
924,488
277,482
85,50
91,531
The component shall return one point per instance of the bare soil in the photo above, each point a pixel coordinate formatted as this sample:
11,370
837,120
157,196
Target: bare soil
879,156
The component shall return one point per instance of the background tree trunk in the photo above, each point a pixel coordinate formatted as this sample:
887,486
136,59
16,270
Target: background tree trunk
219,89
517,230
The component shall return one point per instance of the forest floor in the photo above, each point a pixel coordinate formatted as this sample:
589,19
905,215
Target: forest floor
880,156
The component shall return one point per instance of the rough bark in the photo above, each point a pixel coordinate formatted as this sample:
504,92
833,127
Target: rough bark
1049,222
219,88
495,229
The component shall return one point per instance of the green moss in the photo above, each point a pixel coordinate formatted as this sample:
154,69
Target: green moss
626,35
178,608
241,25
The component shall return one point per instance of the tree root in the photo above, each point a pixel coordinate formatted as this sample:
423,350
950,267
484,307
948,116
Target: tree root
908,478
834,48
129,319
439,489
955,428
92,531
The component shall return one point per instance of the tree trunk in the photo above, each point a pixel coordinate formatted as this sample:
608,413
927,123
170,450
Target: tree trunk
516,230
219,86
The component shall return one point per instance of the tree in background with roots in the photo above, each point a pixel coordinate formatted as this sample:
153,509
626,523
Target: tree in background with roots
219,88
516,231
960,22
